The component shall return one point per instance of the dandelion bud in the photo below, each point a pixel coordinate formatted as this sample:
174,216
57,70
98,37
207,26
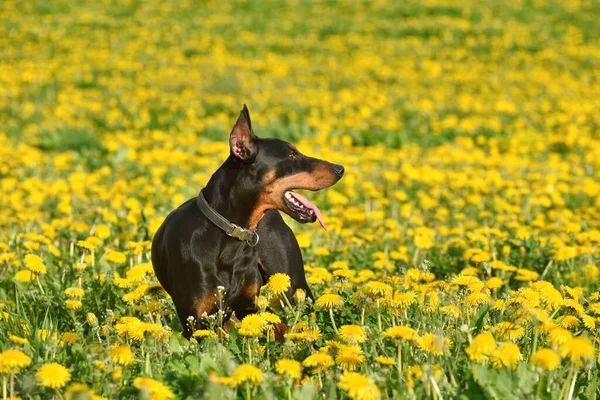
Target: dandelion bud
300,296
117,374
92,319
261,302
79,266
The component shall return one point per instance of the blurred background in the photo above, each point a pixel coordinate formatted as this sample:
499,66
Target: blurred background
391,72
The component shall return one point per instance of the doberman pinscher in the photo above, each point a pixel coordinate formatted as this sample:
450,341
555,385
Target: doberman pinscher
232,235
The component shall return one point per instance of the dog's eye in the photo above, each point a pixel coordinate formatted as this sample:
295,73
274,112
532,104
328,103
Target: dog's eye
292,156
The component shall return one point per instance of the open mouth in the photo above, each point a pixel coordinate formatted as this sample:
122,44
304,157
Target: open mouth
301,209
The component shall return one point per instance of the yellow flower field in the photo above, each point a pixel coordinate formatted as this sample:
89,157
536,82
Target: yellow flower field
462,256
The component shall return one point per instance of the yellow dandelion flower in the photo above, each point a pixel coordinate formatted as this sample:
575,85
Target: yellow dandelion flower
482,346
270,318
87,244
291,368
526,275
79,390
99,365
5,258
507,355
434,344
550,297
494,283
252,325
24,276
318,360
329,301
579,349
79,266
201,333
400,332
451,311
383,360
565,253
403,300
70,337
116,374
465,280
35,263
546,359
300,295
124,283
13,360
122,355
278,283
349,357
414,371
156,389
344,273
135,274
53,375
559,336
377,289
588,322
102,231
352,334
567,322
321,251
358,386
74,292
18,340
429,301
247,373
574,305
474,299
115,257
73,304
508,331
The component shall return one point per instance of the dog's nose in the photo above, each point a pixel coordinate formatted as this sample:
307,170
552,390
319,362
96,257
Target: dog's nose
339,170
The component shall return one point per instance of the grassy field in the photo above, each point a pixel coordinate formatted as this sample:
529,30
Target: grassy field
462,257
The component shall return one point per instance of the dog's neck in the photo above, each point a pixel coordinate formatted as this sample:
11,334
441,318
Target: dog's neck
227,194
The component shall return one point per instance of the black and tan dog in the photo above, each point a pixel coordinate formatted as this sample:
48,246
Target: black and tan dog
232,235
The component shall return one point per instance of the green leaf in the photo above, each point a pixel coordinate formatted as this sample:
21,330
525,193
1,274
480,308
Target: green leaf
174,343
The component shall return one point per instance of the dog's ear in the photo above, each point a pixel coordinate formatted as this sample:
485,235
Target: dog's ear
242,139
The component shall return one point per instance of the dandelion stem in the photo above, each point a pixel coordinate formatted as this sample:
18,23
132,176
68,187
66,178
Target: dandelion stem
333,321
570,397
535,340
362,317
567,382
248,397
546,269
287,301
538,392
416,257
399,362
296,318
378,316
250,353
320,380
4,387
435,387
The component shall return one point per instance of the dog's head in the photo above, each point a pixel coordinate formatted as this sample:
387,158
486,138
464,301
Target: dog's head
276,168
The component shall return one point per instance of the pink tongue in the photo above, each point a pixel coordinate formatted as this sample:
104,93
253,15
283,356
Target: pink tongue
311,206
